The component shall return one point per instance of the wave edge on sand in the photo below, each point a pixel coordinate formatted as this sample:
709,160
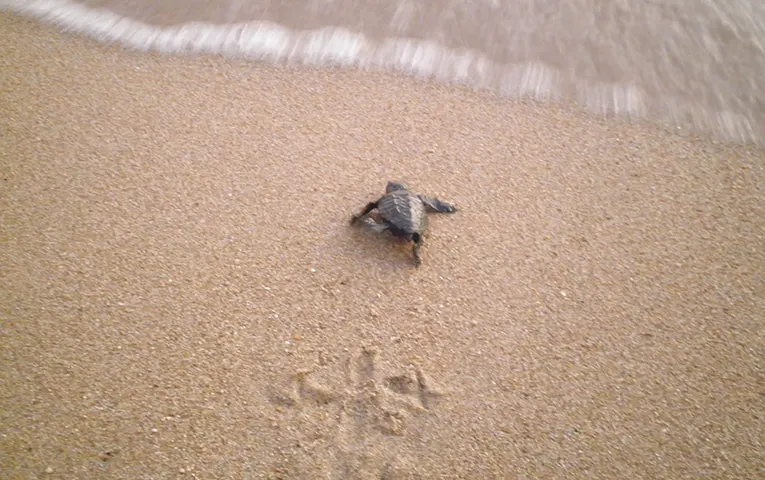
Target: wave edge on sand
336,46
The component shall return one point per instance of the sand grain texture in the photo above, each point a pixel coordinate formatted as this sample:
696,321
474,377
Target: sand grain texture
182,296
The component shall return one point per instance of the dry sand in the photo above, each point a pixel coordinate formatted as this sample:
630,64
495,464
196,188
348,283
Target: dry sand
182,296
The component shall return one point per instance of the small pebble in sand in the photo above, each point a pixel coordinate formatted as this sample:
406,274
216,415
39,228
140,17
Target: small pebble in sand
49,470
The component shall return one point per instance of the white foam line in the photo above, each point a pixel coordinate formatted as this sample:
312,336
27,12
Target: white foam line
338,46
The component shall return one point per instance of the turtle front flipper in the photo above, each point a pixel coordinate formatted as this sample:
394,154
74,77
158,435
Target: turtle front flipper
370,206
437,205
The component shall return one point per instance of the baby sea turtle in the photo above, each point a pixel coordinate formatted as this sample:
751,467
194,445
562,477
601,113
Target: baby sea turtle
403,213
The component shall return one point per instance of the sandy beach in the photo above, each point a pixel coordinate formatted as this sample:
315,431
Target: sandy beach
181,295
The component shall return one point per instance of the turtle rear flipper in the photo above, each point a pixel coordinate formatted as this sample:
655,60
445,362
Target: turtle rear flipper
417,238
437,205
375,226
380,226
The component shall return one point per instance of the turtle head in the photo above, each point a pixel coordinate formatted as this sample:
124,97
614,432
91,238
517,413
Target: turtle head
393,186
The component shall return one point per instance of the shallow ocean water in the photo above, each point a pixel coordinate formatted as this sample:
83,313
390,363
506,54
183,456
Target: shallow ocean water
692,65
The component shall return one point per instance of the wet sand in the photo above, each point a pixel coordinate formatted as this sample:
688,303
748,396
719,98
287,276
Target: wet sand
182,295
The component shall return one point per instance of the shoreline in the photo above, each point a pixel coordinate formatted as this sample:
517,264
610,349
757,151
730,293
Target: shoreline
424,59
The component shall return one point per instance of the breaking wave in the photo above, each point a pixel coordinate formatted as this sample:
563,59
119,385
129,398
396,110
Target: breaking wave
272,42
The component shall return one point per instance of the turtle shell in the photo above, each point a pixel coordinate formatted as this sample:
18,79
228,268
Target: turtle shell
404,210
